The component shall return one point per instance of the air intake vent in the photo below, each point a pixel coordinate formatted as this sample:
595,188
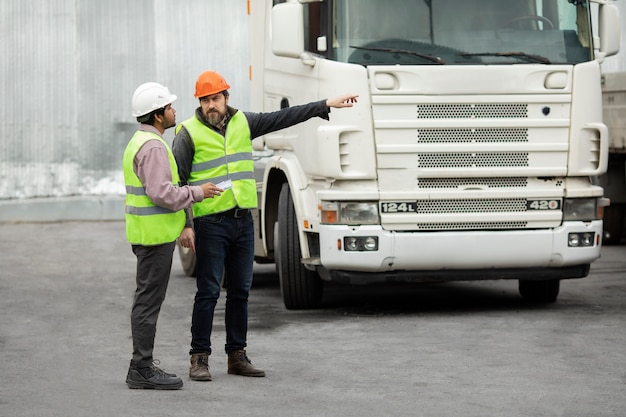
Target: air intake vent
455,183
501,135
471,206
472,111
472,160
472,226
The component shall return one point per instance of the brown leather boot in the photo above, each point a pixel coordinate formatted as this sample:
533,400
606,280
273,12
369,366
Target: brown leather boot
199,369
239,364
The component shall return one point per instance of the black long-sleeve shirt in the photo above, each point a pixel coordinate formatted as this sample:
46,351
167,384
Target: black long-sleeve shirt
260,124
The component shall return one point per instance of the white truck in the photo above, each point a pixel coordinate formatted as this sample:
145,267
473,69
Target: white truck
469,156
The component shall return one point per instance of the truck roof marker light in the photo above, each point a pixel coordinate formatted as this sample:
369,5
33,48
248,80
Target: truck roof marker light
306,224
248,7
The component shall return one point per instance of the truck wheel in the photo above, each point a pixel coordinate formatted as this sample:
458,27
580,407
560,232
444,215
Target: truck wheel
613,224
187,259
299,287
540,291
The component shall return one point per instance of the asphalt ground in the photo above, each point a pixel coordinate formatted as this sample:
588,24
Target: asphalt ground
457,349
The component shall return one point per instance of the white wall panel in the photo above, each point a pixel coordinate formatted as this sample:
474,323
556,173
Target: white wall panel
69,69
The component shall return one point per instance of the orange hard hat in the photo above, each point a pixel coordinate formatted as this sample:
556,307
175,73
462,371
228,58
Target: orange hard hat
209,83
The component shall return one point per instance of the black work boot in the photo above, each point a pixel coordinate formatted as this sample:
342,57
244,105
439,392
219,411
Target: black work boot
199,369
239,364
155,363
151,377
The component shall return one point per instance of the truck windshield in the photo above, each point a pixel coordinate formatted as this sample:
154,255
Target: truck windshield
461,32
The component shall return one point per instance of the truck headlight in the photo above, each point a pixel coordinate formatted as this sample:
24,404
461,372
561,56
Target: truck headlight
582,209
349,212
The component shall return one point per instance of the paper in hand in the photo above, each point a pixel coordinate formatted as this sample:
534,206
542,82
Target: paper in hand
225,185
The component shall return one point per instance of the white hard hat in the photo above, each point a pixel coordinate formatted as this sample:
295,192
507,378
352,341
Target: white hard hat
149,97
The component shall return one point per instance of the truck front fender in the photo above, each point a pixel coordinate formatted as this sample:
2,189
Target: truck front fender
278,170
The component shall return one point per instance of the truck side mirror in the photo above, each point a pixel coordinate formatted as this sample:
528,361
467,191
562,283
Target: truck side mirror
288,30
609,25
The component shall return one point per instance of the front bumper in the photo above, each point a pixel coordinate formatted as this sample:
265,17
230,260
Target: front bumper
498,253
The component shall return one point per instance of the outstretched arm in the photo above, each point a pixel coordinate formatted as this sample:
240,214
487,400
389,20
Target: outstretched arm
263,123
346,100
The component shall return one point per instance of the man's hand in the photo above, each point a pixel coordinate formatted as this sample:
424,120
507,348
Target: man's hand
187,239
210,190
346,100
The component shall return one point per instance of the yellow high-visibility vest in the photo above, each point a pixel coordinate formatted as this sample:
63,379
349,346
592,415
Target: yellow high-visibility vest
146,223
217,159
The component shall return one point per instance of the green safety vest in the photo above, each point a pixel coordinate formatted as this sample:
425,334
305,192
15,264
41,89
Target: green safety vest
217,159
146,223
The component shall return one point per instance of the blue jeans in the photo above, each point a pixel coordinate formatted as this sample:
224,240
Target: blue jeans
224,244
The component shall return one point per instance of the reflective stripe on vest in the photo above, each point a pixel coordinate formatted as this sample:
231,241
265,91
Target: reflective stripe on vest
146,223
217,159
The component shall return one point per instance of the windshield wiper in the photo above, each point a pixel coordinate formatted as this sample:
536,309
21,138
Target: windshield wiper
430,58
522,55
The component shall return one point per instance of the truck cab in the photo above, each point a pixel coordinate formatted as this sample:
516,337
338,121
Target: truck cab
470,153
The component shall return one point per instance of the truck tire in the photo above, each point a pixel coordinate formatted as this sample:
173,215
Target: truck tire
613,224
187,259
540,291
299,287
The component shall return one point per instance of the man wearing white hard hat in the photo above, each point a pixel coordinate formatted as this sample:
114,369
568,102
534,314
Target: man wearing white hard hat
155,217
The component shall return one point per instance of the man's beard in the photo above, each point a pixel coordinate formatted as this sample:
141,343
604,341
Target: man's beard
215,118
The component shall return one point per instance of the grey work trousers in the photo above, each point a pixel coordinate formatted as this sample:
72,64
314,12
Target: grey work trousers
154,264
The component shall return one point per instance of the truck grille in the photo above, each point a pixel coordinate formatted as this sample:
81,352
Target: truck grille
472,226
472,160
490,205
453,183
472,111
497,135
471,166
